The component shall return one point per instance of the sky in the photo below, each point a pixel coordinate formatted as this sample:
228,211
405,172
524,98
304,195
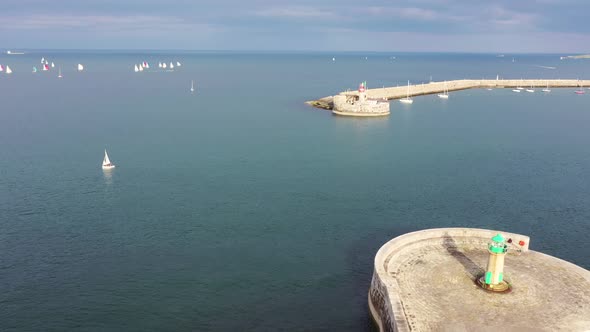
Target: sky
502,26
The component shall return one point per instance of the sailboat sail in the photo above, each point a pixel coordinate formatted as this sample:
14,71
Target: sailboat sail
34,69
164,65
178,64
52,65
80,67
407,100
42,60
135,69
45,67
140,68
192,86
8,70
171,65
106,160
1,68
59,75
159,65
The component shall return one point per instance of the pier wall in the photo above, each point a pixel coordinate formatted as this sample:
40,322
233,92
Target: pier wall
439,87
398,92
384,294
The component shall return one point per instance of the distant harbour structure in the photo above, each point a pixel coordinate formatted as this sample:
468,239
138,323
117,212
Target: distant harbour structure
360,105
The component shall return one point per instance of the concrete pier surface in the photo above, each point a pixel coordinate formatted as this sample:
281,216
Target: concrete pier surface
425,281
391,93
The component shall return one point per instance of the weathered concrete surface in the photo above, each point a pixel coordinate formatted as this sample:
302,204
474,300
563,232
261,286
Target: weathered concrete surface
439,87
424,281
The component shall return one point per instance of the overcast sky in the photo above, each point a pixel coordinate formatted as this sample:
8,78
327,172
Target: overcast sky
558,26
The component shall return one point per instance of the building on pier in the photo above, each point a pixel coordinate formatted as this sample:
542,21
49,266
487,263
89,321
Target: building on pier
360,105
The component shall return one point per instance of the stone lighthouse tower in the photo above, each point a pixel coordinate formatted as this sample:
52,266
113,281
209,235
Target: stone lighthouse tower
493,279
363,91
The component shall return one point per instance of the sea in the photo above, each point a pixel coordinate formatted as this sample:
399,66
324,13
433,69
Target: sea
238,207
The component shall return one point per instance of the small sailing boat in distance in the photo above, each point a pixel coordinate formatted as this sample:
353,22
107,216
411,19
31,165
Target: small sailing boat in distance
445,94
8,70
531,89
407,100
178,64
106,163
34,69
547,88
580,90
80,67
135,69
192,86
59,73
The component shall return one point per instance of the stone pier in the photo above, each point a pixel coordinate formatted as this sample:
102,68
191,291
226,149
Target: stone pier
391,93
425,281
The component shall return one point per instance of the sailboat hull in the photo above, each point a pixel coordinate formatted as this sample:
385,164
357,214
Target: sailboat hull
111,166
442,96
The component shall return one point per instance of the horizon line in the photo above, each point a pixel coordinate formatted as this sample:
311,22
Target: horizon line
280,51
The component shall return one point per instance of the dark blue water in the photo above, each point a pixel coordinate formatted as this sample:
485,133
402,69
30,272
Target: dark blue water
241,208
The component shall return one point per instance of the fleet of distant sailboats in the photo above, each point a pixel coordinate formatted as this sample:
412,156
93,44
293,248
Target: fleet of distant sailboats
162,65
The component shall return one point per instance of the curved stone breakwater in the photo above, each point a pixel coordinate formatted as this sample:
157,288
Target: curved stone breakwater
425,281
391,93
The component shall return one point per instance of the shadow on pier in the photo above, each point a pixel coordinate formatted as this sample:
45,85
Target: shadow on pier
470,266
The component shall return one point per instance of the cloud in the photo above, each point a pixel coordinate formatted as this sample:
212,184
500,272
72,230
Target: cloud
98,22
501,18
296,13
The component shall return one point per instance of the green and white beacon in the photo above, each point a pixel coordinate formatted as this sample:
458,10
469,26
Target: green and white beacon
493,279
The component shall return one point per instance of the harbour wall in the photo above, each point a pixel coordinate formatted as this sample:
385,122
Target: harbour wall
391,93
384,300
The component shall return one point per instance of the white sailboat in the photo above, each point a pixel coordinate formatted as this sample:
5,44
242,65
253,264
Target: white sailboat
407,100
140,68
52,65
171,65
445,94
192,86
1,68
106,163
546,89
178,64
8,70
135,69
42,60
164,65
159,65
80,67
59,73
531,89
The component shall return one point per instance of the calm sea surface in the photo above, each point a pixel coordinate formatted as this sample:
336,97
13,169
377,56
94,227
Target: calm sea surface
240,208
